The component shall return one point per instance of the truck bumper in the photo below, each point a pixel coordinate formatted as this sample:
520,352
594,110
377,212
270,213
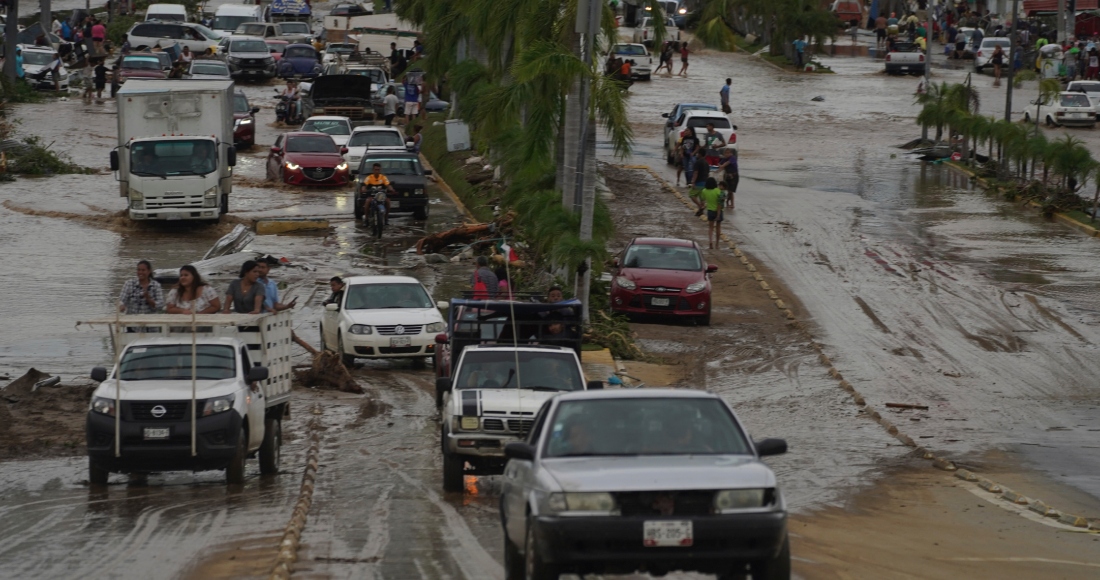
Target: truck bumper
216,443
484,453
179,213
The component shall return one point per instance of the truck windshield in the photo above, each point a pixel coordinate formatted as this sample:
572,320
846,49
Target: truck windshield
496,369
231,22
167,158
376,139
248,46
374,296
390,166
173,362
294,28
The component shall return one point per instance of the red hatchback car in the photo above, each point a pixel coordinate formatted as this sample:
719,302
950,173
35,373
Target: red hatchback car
663,276
302,158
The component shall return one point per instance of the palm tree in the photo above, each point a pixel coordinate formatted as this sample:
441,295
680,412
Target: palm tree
1048,91
1072,160
1037,146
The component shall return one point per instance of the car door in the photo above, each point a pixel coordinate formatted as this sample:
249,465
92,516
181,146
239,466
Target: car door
330,324
256,405
517,482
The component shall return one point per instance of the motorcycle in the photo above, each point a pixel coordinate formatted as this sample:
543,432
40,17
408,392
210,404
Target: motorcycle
283,106
370,206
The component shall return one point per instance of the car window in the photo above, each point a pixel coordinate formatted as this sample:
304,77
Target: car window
993,42
143,30
630,49
209,68
376,139
1077,100
248,46
252,29
246,361
300,52
279,141
718,122
540,420
328,127
173,362
393,166
662,257
644,426
204,31
496,369
1087,87
276,47
35,57
240,104
309,144
140,62
387,295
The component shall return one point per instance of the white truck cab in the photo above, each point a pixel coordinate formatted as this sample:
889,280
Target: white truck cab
152,413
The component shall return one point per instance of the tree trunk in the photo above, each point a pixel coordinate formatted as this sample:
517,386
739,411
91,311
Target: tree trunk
45,17
11,39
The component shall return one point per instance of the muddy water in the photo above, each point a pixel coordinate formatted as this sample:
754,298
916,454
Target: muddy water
924,289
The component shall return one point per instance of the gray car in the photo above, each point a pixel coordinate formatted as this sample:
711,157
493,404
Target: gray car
613,482
207,69
247,57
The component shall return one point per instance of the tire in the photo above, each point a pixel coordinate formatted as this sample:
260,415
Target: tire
647,77
1050,122
96,475
358,207
705,319
224,209
234,472
534,567
420,213
346,359
453,467
271,448
778,568
378,222
513,561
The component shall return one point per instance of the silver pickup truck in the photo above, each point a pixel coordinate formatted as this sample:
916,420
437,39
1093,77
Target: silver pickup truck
905,58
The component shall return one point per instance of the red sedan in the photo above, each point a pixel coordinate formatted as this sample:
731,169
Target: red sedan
662,276
301,158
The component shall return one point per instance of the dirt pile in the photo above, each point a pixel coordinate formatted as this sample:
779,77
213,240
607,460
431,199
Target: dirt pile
45,421
327,372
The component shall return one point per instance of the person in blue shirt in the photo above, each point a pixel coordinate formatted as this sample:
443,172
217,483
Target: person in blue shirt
271,290
799,47
724,96
19,74
412,100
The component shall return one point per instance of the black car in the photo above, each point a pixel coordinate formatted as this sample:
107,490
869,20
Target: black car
349,10
406,175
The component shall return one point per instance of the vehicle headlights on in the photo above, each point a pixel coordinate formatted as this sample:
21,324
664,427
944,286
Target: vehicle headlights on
210,197
292,166
469,423
696,287
244,121
137,199
218,405
360,329
731,500
418,192
435,327
683,11
592,503
104,406
624,283
342,167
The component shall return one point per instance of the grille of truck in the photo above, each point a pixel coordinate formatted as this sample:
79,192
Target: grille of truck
521,426
353,113
170,200
172,411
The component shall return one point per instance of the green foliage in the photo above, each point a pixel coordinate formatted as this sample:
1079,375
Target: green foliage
117,28
19,92
34,158
434,148
786,20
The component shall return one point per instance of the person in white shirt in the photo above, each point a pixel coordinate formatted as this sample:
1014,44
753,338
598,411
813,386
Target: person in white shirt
389,106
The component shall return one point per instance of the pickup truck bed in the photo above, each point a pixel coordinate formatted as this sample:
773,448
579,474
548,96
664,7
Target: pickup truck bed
905,58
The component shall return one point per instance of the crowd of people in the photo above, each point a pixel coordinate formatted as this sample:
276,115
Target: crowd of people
253,292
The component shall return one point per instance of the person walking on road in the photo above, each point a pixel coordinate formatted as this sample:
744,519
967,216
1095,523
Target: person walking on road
483,281
997,59
709,199
799,49
724,96
688,144
141,294
700,171
389,105
730,175
880,31
684,52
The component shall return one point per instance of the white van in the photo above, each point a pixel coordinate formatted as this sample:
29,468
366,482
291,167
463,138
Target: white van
166,12
229,16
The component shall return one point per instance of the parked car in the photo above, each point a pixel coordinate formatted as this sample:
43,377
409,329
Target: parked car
345,50
206,68
300,29
339,128
307,159
643,61
1091,89
699,119
984,56
406,175
228,17
376,139
166,12
137,66
244,121
1070,109
247,57
276,47
905,58
382,317
350,10
197,37
433,105
644,32
653,480
848,12
662,276
296,33
675,119
300,61
36,59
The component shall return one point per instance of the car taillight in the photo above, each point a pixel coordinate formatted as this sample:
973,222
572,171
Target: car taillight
733,138
979,54
922,58
887,58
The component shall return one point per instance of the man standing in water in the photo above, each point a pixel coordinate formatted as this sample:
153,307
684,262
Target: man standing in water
724,96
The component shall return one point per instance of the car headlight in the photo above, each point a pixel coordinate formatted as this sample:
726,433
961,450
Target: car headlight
342,167
592,503
104,406
738,499
469,423
418,192
683,11
210,197
218,405
234,59
624,283
360,329
292,166
135,194
435,327
269,60
696,287
244,121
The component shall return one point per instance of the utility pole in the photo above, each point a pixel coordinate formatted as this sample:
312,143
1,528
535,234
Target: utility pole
585,197
1011,61
1061,21
45,17
11,39
928,57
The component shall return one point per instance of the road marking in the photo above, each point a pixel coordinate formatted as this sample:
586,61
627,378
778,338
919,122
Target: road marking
1021,510
1021,559
379,536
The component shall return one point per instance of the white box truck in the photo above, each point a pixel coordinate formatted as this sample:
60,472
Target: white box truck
175,148
190,394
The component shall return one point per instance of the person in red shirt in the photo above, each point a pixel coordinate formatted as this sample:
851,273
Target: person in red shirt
99,34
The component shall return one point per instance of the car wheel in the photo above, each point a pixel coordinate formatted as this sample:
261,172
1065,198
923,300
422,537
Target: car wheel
534,567
345,358
453,467
647,77
234,472
705,319
420,213
1050,122
778,568
282,175
271,448
224,209
513,561
358,203
96,474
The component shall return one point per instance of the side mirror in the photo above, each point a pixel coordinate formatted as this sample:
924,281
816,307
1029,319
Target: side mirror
442,305
99,374
275,149
332,307
519,450
255,110
114,160
441,338
665,115
711,268
595,385
766,447
343,151
257,374
427,172
231,156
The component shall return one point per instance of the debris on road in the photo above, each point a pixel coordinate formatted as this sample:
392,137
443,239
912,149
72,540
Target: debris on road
907,406
327,369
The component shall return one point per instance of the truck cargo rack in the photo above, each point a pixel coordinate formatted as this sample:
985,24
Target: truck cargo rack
517,322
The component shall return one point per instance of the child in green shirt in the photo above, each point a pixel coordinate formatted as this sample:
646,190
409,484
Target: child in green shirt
711,199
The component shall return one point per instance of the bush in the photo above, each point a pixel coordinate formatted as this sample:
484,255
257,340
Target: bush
117,29
34,158
19,92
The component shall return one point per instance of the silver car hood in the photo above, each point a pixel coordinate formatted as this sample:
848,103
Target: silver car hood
659,473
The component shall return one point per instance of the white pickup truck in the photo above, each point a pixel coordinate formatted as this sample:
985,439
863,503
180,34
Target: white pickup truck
905,58
190,398
491,401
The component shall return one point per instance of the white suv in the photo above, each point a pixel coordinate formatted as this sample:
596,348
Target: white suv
984,56
374,138
382,317
197,37
699,120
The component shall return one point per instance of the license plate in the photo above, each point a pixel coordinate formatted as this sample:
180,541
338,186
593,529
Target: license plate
659,301
904,68
173,216
395,203
400,341
151,433
663,534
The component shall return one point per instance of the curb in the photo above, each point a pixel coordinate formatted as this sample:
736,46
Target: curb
937,462
447,189
292,534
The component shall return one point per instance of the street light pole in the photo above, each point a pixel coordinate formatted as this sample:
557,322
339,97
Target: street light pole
585,197
927,56
1011,61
